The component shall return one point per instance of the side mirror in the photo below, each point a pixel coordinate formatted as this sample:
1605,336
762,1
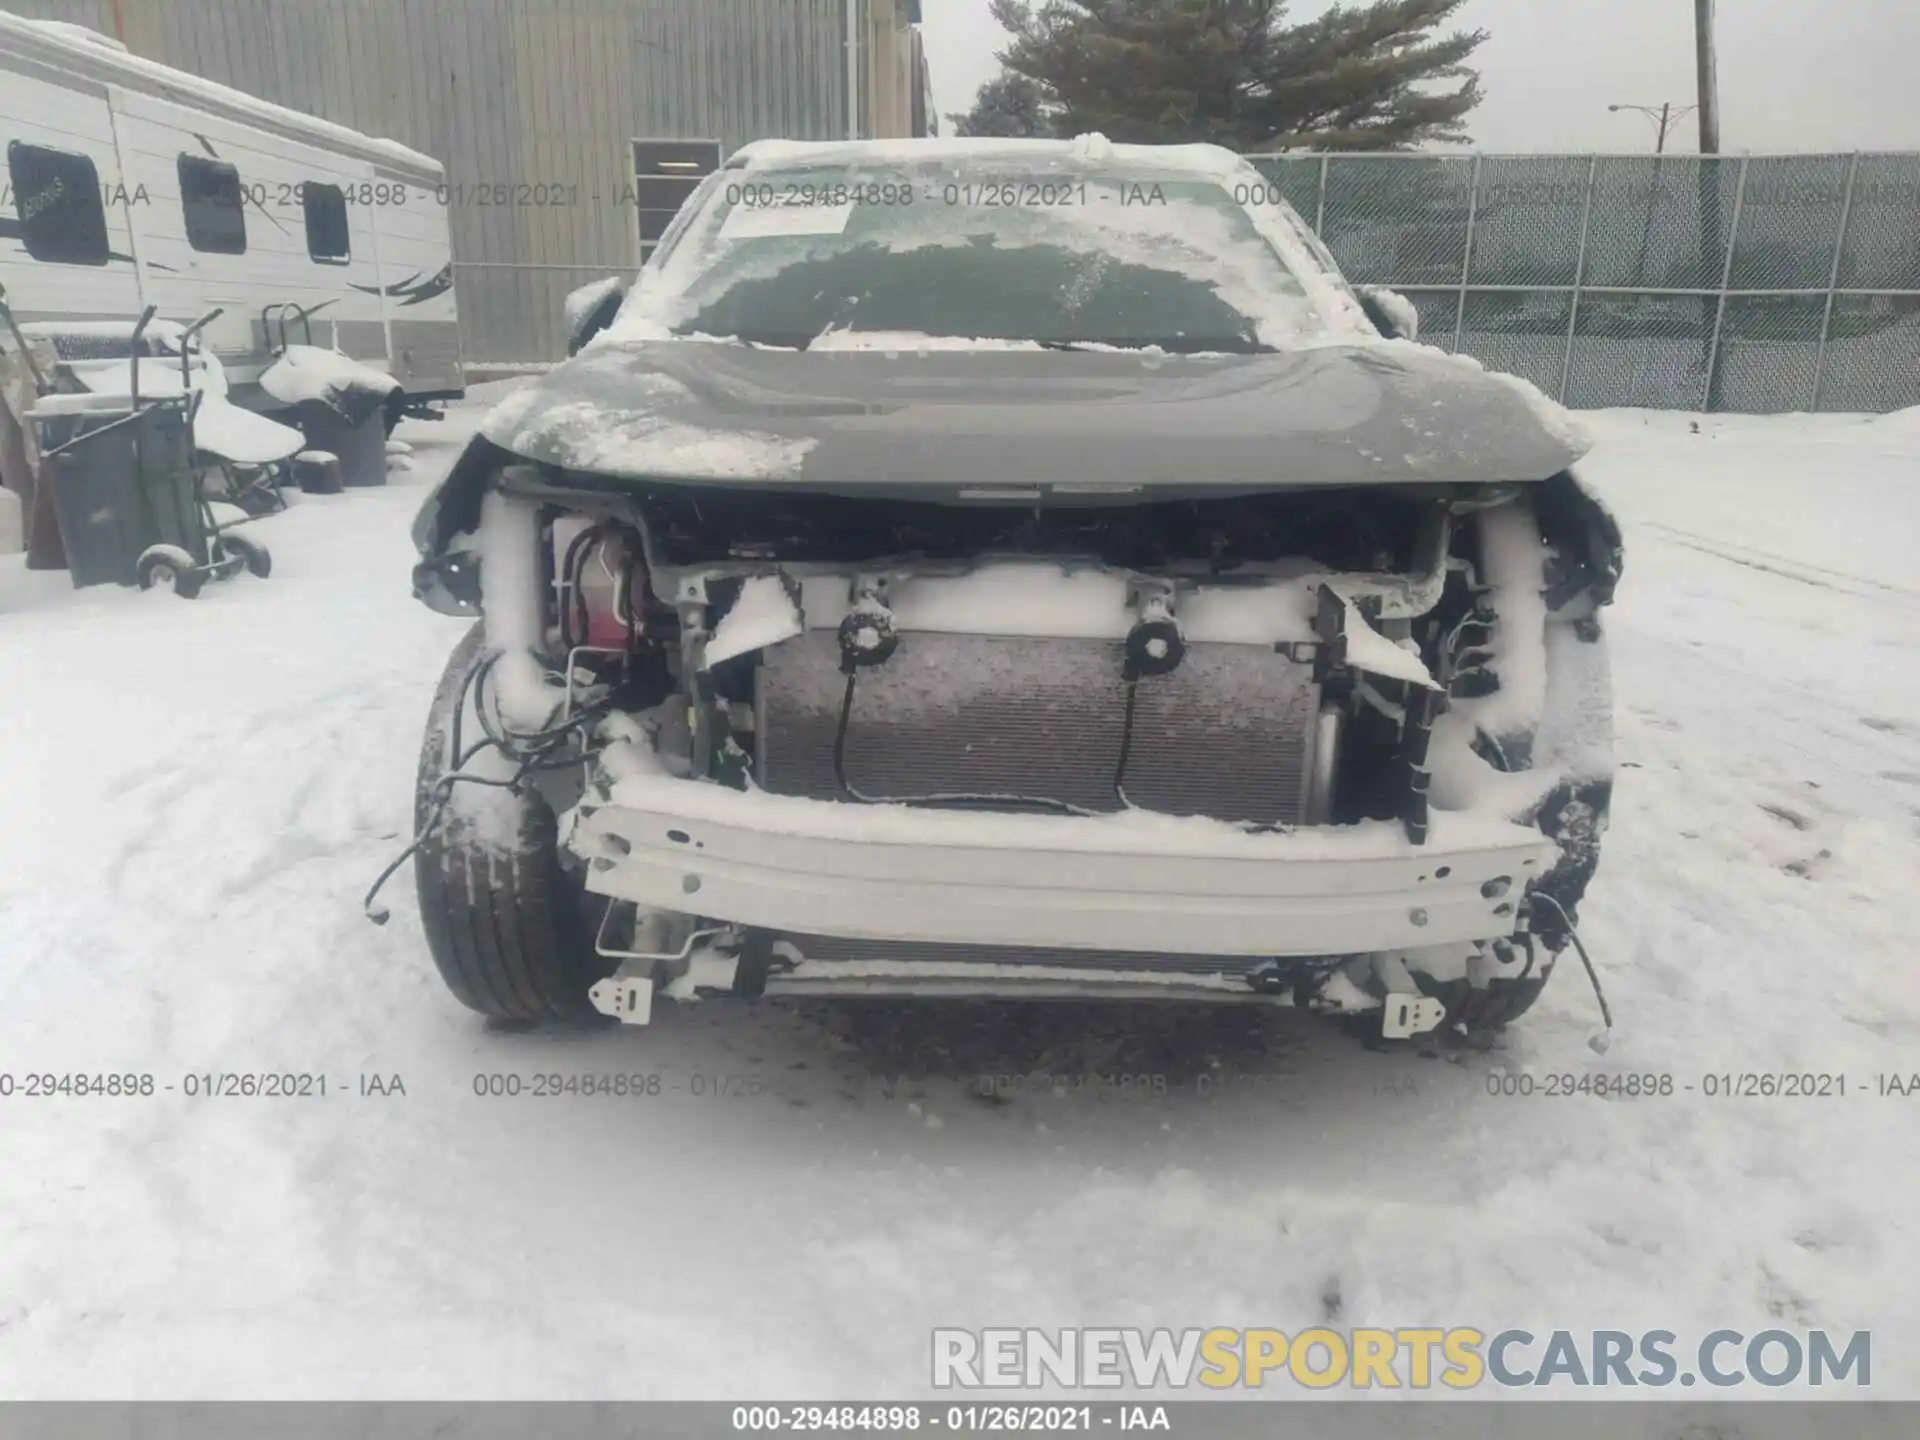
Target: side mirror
591,309
1392,314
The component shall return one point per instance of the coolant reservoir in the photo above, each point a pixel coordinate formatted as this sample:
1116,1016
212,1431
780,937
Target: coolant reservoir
593,566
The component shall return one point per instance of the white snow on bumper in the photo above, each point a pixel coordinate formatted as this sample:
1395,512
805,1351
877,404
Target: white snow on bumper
1120,883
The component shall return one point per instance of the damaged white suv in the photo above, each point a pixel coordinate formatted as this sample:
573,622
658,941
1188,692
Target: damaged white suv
1012,568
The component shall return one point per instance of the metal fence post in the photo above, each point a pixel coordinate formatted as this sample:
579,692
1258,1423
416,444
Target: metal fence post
1466,260
1726,281
1833,284
1579,277
1320,206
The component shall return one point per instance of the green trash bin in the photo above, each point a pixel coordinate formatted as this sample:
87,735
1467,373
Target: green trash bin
123,480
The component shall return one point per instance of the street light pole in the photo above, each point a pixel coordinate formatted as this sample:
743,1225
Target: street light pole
1665,117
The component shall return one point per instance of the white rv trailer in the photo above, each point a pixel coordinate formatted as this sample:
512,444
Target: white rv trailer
130,184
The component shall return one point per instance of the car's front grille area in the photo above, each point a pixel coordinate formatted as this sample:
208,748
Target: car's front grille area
1228,735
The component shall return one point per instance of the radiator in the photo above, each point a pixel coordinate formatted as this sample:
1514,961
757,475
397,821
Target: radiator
1229,734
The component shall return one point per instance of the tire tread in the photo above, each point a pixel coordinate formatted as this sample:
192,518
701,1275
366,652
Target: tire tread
504,933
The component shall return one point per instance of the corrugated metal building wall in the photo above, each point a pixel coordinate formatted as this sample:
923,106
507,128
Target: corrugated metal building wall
529,103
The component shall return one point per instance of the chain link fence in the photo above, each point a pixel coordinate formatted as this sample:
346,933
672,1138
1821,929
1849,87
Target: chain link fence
1761,284
1756,284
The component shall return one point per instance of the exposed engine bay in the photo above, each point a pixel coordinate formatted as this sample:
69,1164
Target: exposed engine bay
1273,662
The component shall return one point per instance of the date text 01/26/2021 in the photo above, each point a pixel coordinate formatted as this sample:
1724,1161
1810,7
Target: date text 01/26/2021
197,1085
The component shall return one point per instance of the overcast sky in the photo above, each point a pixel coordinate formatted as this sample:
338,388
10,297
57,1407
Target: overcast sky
1794,74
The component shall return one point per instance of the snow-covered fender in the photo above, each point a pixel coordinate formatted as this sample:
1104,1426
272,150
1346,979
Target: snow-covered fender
1586,557
1535,739
447,578
1585,537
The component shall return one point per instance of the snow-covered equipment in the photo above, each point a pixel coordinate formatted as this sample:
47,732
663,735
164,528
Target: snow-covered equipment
341,404
1040,575
248,450
129,491
251,449
312,374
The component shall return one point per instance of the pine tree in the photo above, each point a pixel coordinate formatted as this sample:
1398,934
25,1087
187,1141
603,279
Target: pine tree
1010,104
1377,76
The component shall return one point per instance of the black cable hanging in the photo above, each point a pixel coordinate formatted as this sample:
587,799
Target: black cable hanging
533,751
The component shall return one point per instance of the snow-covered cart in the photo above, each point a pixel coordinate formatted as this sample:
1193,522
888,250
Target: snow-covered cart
129,485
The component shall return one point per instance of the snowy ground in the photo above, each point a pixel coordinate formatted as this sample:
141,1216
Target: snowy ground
196,794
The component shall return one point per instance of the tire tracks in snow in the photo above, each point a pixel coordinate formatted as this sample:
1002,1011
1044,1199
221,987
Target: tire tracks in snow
1817,717
1843,581
243,805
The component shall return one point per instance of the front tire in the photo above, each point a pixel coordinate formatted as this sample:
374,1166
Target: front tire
510,930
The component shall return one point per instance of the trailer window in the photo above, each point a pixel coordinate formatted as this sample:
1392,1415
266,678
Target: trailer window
57,205
212,203
326,207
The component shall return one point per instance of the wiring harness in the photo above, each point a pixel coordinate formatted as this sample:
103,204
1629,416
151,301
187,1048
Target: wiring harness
557,745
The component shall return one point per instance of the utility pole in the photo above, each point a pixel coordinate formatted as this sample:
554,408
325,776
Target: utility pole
1712,240
1709,63
853,69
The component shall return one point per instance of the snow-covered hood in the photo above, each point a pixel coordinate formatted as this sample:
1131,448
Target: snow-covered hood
1016,418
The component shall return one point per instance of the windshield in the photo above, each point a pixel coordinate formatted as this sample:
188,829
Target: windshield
1060,254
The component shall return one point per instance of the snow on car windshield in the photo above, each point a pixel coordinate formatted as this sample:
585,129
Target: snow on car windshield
1059,253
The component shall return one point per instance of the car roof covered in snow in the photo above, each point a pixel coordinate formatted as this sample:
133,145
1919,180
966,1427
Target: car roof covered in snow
97,57
1200,161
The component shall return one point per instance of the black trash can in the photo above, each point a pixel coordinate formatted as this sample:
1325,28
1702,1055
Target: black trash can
360,444
318,472
122,481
